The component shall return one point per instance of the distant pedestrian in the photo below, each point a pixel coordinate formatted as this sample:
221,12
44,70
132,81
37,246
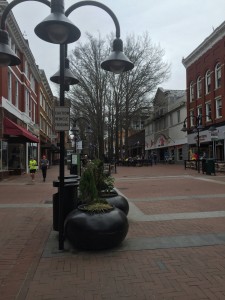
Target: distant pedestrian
44,166
32,167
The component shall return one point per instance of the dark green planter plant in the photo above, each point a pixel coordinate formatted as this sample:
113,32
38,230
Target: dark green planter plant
96,224
105,186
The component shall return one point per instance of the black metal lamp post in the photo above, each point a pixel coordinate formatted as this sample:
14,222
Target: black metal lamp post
197,128
58,29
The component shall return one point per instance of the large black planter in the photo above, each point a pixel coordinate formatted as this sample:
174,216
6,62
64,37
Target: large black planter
96,231
117,200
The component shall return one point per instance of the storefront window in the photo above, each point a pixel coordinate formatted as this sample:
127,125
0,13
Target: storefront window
17,157
33,151
180,154
3,155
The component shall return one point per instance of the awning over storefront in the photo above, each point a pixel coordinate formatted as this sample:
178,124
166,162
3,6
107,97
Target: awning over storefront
11,128
51,147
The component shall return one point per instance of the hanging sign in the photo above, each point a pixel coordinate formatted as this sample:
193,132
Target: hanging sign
62,118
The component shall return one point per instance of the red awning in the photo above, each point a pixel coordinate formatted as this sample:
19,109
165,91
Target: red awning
12,128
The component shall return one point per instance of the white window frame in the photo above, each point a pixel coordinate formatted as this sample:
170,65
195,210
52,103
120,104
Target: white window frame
208,110
208,82
191,91
218,76
199,110
199,87
26,69
218,107
192,118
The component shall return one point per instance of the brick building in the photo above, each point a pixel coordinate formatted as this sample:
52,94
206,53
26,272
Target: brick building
205,80
21,88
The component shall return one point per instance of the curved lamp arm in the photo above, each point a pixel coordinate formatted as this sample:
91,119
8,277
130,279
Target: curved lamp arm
13,4
100,5
117,62
80,118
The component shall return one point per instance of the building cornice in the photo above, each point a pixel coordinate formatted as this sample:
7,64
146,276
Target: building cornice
21,43
46,84
207,44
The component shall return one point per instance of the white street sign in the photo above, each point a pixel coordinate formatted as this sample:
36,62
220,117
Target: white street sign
62,118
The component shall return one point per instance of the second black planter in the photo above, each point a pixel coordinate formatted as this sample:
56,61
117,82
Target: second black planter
96,231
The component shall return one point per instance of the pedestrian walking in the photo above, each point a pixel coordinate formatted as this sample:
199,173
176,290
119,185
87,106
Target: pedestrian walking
32,167
44,166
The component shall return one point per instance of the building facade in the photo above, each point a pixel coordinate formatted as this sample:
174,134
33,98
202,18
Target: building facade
205,80
163,135
48,136
20,90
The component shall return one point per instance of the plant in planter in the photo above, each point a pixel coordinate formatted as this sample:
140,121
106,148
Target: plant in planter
96,224
105,187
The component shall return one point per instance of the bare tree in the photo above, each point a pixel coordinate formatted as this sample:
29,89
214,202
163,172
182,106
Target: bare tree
111,101
136,87
89,97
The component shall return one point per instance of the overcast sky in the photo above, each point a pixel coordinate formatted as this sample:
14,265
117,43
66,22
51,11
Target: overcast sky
178,26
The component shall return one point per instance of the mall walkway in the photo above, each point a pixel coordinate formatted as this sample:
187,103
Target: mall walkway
175,247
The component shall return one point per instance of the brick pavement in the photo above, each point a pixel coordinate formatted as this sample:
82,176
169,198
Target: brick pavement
175,247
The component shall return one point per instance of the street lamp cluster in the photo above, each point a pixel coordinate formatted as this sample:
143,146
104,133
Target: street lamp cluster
197,128
58,29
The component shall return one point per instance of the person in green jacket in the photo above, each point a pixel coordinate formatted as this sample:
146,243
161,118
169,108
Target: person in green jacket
32,167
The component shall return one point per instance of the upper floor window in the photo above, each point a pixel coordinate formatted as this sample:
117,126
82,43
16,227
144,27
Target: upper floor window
218,76
208,82
191,91
27,102
26,69
32,82
199,87
16,93
9,86
34,113
192,118
199,110
208,111
218,107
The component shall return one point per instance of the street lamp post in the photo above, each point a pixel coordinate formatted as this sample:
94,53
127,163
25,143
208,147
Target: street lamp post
74,129
197,128
58,29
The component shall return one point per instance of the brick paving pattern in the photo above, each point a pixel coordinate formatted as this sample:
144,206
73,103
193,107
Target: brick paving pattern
171,209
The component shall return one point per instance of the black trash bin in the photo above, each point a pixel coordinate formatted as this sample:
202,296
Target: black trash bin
70,200
210,166
204,163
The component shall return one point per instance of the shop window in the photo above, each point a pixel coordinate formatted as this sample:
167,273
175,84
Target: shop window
3,155
180,154
17,157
